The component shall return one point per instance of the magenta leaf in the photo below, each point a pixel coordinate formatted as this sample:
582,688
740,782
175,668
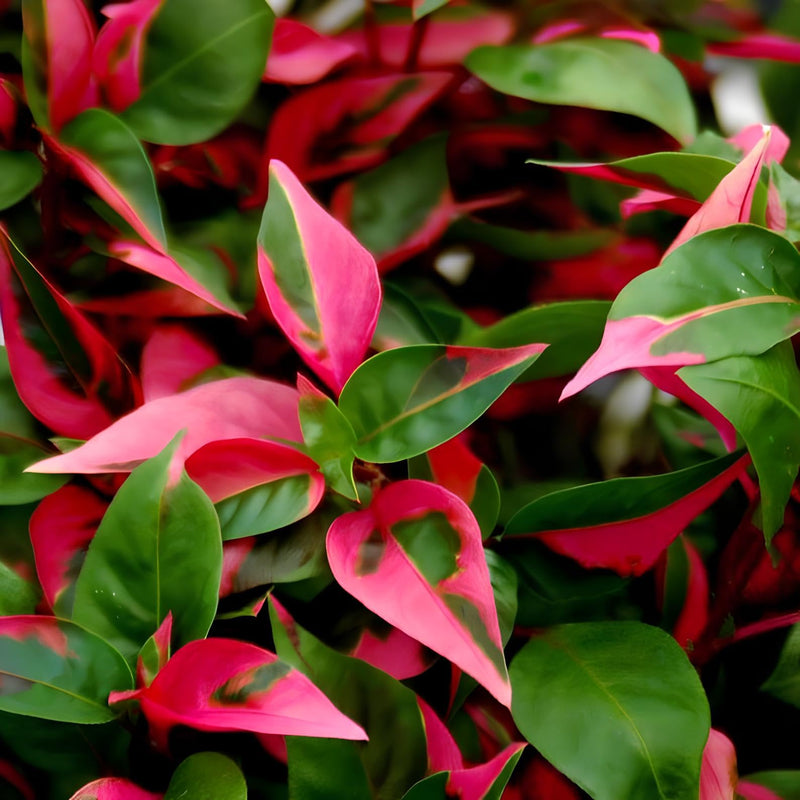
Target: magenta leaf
393,652
117,56
57,60
301,55
228,409
66,372
106,155
321,284
228,685
257,485
625,524
114,789
718,773
61,527
424,538
155,653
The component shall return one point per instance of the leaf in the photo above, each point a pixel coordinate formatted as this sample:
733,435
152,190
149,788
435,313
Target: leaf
393,757
347,124
181,267
393,217
483,782
784,681
54,669
228,685
405,401
21,173
727,292
61,528
257,485
119,49
783,781
321,284
113,789
157,550
625,524
207,776
57,60
214,66
421,8
617,687
16,486
607,74
420,536
761,398
718,775
66,372
231,408
17,596
106,155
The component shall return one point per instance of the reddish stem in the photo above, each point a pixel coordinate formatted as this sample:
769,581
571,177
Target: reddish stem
418,31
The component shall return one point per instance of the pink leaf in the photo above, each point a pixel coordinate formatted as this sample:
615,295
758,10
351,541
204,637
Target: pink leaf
347,124
228,685
61,527
475,783
167,268
455,467
396,653
150,303
117,56
8,112
226,409
751,136
732,200
443,752
234,555
301,55
718,771
171,359
566,28
420,536
10,775
113,789
754,791
155,653
652,200
772,46
321,284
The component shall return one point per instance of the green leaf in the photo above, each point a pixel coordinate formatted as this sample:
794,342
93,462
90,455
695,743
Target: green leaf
627,693
17,596
784,782
608,74
784,682
203,61
407,400
54,669
18,487
395,755
207,776
330,440
21,173
400,321
760,396
158,549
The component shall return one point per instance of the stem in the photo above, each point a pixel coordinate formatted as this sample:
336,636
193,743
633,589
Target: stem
418,30
372,34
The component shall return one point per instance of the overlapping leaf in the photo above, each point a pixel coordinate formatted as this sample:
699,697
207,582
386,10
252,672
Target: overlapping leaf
424,538
21,173
625,524
209,774
628,694
321,284
727,292
228,685
54,669
114,789
157,550
407,400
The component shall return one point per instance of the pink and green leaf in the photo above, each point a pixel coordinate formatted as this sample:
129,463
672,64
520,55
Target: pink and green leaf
421,536
231,408
114,789
154,653
624,524
106,155
54,669
66,372
61,527
157,551
255,484
228,685
321,284
726,292
405,401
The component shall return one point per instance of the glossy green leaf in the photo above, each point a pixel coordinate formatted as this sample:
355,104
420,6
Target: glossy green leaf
17,596
608,74
760,396
572,329
18,487
628,694
21,173
202,63
784,682
395,755
158,549
330,440
407,400
400,321
55,669
207,776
